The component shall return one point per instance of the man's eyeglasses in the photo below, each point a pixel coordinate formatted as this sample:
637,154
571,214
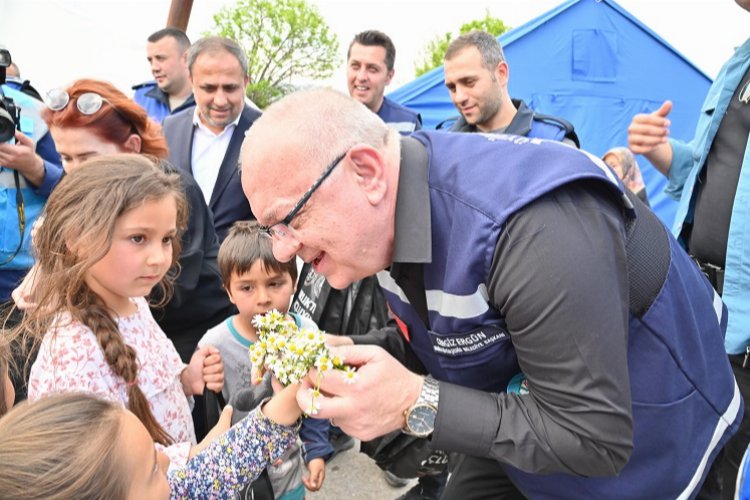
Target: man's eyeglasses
87,103
281,231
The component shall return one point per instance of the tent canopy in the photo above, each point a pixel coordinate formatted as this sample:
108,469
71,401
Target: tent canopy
594,64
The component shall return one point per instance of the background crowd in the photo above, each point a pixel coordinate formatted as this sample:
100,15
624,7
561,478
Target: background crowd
508,297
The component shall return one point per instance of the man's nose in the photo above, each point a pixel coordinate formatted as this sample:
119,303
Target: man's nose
460,94
284,251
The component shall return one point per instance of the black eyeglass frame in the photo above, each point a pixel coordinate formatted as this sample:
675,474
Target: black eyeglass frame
268,230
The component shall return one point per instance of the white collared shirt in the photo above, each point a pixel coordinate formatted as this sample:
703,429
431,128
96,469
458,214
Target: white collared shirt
208,153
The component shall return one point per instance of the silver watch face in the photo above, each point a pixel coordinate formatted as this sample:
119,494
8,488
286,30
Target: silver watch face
421,420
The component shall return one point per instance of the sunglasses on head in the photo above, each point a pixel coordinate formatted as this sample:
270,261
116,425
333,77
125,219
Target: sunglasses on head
87,103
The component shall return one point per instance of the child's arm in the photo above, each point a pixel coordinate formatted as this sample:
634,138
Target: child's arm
238,457
205,369
316,451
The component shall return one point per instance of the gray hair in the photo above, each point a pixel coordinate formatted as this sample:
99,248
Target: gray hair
487,45
217,44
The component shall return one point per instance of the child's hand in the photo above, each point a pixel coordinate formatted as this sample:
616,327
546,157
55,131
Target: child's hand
256,374
222,426
282,408
213,370
205,369
317,469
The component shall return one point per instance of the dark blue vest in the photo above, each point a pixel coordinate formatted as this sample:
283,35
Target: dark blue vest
396,116
685,401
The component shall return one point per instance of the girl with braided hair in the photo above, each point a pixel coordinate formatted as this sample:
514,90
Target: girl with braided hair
110,235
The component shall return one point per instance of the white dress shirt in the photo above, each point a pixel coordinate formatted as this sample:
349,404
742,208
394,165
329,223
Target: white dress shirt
208,153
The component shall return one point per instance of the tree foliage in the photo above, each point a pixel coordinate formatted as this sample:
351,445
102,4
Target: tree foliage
285,41
435,50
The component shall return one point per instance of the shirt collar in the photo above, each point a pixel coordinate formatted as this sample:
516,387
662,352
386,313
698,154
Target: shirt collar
412,240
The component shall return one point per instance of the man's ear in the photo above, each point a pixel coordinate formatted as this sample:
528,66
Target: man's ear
369,169
502,72
389,77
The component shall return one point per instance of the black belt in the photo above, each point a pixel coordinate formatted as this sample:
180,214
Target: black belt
715,274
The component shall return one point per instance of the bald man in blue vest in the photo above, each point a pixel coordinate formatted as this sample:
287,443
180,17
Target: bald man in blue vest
550,328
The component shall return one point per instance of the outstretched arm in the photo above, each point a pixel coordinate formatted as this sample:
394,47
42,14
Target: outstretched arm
236,458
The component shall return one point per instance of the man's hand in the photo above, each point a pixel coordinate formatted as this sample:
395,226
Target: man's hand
374,404
23,294
338,340
648,135
317,469
205,369
22,157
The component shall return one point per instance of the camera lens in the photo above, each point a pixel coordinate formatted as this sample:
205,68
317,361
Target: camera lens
7,125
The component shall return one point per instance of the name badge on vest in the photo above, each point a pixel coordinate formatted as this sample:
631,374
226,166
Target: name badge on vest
466,344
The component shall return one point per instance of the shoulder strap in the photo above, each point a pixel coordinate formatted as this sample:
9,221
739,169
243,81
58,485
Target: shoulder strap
648,256
564,124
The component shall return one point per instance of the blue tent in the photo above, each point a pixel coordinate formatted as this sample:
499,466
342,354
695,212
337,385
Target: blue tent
594,64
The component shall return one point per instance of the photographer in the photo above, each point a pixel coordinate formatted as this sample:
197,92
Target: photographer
29,169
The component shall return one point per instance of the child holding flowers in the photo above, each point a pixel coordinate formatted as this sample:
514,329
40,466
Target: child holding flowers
257,283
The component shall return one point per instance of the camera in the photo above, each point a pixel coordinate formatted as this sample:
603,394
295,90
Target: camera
10,115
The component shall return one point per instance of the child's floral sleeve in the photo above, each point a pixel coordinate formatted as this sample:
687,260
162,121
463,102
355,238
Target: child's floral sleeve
233,460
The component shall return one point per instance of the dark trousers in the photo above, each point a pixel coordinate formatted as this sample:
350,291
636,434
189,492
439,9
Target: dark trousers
736,446
475,478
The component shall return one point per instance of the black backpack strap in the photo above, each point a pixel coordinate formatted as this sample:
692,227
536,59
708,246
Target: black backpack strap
564,124
648,256
447,123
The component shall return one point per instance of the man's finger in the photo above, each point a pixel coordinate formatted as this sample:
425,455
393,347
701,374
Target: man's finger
664,109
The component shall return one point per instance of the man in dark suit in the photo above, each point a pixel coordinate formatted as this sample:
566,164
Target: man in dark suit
206,140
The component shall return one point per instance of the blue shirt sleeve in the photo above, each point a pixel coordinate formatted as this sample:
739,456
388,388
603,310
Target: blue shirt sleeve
53,170
314,435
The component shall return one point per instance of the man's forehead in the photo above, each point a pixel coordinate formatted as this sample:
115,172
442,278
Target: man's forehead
217,61
163,44
372,54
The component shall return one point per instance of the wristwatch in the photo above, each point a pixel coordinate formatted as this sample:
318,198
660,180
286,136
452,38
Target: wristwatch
420,417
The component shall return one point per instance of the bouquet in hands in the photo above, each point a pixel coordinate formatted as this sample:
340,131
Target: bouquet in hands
290,352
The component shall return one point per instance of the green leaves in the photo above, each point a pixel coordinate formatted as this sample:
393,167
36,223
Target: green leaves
285,41
437,47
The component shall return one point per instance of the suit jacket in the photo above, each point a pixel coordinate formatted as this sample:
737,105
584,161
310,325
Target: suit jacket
228,203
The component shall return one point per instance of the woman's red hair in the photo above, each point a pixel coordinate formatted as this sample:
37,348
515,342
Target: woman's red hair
114,122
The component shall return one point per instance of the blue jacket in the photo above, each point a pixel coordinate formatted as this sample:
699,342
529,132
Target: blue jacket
687,162
156,102
685,403
404,120
34,198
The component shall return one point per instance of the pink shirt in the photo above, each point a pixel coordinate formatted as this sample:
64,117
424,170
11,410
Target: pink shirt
71,360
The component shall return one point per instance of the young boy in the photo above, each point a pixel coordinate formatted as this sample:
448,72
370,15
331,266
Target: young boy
256,283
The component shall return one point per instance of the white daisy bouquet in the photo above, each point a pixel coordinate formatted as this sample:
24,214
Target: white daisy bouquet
290,352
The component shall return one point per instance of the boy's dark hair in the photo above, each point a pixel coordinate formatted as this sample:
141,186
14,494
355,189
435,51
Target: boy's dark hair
246,244
372,38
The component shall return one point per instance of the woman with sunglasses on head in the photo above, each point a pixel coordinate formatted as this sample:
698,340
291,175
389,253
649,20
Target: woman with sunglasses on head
91,118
